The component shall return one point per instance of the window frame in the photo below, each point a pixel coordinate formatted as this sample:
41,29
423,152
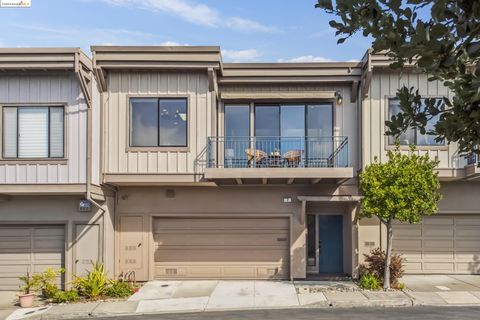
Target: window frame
388,146
34,160
130,148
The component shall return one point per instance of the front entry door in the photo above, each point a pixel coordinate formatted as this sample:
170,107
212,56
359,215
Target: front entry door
330,244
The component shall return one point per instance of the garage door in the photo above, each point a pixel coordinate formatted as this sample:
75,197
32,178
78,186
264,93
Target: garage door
219,248
440,244
29,248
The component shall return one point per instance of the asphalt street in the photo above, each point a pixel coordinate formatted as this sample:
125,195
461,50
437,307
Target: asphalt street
421,313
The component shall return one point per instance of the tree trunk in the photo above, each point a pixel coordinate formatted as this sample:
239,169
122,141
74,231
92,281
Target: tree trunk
388,255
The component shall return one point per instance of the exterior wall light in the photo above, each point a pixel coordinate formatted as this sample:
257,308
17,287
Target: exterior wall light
339,97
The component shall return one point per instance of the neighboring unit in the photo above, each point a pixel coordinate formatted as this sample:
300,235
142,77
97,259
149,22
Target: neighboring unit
49,165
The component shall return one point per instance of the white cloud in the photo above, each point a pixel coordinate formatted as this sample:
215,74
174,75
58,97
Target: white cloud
173,44
84,37
323,33
308,58
241,55
194,12
242,24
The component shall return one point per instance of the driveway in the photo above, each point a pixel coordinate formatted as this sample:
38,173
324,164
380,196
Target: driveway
438,283
164,296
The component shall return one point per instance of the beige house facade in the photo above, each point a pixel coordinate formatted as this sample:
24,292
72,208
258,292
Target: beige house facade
199,169
49,166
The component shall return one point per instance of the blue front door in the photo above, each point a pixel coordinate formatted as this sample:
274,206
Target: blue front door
330,243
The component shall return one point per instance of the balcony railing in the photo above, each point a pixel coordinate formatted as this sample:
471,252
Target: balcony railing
277,152
472,158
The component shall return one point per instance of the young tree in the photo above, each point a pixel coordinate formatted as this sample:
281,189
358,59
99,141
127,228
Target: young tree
405,188
438,37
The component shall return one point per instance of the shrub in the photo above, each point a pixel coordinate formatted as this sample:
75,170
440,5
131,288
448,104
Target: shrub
47,281
370,281
95,284
65,296
375,264
119,289
30,283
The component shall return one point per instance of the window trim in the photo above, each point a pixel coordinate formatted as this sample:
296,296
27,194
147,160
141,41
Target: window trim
47,160
388,146
130,148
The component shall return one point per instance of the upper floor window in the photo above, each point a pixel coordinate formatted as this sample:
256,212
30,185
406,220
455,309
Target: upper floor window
158,122
33,132
413,135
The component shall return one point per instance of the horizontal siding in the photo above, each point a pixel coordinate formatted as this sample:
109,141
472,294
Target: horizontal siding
122,84
375,112
58,88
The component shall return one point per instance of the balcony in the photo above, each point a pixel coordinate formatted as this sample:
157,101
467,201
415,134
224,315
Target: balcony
277,160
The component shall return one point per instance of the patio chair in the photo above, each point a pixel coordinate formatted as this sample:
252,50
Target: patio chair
255,155
293,157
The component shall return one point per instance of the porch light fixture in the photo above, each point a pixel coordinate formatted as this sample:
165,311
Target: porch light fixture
339,97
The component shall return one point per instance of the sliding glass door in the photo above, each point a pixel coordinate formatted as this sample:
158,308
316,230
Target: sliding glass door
237,133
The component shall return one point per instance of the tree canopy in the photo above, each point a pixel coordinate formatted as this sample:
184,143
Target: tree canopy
436,37
404,188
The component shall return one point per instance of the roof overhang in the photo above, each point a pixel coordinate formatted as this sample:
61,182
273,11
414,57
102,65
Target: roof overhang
108,58
48,59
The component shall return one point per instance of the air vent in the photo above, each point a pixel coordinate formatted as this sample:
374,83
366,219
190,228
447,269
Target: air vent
171,272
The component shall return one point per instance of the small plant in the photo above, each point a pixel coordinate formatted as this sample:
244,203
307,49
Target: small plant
370,281
95,284
401,286
65,296
375,264
47,281
30,283
119,289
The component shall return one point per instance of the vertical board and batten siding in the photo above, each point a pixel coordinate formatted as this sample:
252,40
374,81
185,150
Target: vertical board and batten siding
121,85
375,112
346,114
61,88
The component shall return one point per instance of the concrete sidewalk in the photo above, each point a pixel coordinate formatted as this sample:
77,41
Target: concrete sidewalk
204,296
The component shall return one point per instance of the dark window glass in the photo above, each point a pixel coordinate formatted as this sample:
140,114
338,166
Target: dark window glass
158,122
267,129
144,122
237,121
412,135
237,131
320,120
292,127
173,122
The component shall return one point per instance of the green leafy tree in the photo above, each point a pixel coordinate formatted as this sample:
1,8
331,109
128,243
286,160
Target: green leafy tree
404,188
438,37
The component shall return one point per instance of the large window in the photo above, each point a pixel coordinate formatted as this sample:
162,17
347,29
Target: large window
33,132
412,135
237,131
158,122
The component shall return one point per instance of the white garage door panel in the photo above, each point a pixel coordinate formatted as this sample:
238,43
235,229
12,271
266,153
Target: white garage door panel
440,244
29,249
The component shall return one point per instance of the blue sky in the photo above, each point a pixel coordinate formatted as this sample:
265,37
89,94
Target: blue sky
247,30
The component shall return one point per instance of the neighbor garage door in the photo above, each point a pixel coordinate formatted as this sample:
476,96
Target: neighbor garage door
440,244
29,248
221,248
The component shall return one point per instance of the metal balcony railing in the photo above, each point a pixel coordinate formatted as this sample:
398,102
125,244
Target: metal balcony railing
277,152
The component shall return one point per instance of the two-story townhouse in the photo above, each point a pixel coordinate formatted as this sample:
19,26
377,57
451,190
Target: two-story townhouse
222,169
53,211
448,242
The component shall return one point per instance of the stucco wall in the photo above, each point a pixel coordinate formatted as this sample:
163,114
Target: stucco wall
22,89
228,201
63,210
